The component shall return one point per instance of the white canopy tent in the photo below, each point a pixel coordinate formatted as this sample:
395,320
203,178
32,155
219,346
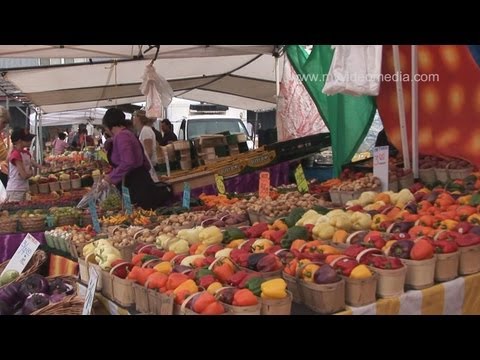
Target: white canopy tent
241,76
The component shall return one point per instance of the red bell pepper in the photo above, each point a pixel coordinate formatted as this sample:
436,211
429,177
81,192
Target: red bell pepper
421,250
376,241
244,281
240,257
237,278
269,263
206,281
345,266
382,262
309,228
256,230
467,240
445,246
463,227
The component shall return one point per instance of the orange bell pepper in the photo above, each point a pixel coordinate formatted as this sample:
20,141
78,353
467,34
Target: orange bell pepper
156,280
214,308
422,250
175,280
223,272
291,267
202,301
297,244
244,297
426,220
465,211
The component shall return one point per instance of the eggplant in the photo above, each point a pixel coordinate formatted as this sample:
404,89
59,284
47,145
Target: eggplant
35,283
35,302
402,227
432,196
372,213
58,286
5,309
11,295
267,264
411,207
226,295
254,259
325,275
420,195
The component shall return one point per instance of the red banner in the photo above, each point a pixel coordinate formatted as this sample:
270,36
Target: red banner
448,102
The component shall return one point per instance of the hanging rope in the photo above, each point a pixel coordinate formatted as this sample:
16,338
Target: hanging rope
156,55
113,68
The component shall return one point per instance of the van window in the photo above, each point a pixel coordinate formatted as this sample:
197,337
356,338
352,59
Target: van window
198,127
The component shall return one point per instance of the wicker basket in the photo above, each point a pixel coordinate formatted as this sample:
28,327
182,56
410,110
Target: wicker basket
37,260
32,224
293,287
33,189
264,275
335,197
107,284
442,174
141,298
71,305
277,306
8,224
427,175
446,268
253,216
404,182
459,173
160,304
67,220
323,298
123,292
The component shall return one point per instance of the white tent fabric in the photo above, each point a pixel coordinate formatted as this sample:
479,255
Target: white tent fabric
241,76
66,118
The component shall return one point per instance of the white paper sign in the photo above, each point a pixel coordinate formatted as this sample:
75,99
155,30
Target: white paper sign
380,165
90,296
23,254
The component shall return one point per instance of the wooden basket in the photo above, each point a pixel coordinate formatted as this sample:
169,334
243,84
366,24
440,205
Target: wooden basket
160,304
84,265
469,260
323,298
393,185
335,197
8,225
54,186
420,273
122,289
264,275
446,268
33,188
76,249
76,183
66,185
277,306
71,305
127,251
243,310
427,175
459,173
44,188
32,224
37,260
293,287
390,282
141,298
361,292
67,220
107,284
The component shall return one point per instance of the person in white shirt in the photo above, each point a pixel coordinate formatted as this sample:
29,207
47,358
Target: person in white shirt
146,135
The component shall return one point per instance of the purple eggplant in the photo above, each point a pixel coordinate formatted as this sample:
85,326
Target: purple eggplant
402,227
411,207
11,295
475,230
401,249
432,196
226,295
182,269
58,286
5,309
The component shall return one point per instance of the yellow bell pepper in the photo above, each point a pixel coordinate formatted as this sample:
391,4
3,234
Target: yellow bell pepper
274,289
377,220
213,287
279,225
360,272
235,243
308,272
211,235
464,200
448,224
188,285
474,219
261,245
165,267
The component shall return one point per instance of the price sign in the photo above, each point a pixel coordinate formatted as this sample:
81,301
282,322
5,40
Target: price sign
90,296
220,184
380,165
94,215
264,184
127,202
23,254
300,179
186,195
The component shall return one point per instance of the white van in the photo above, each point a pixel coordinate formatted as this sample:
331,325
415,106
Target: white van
198,125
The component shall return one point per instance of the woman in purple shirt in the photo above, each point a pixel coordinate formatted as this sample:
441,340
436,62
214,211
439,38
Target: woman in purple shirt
129,162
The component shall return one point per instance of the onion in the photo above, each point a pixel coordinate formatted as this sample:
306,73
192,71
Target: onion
34,284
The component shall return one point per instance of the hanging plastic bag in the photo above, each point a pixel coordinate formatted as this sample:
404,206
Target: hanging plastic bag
157,90
99,192
355,70
3,193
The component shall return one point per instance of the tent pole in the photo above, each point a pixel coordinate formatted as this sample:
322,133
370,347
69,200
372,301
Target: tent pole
277,76
40,138
414,111
255,138
401,107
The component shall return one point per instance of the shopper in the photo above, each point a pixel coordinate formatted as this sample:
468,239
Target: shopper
168,134
143,126
20,165
59,145
130,165
4,145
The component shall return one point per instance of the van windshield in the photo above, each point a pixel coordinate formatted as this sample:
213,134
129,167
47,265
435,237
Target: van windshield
198,127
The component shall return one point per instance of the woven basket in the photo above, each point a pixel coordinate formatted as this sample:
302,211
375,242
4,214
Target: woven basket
459,173
71,305
8,225
427,175
442,174
32,224
66,185
277,306
37,260
54,186
33,189
293,287
76,183
67,220
264,275
44,188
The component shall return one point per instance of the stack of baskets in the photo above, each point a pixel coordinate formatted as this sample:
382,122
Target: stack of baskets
32,223
8,224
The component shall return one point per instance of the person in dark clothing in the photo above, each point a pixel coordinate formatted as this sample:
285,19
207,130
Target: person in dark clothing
130,166
382,140
168,134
